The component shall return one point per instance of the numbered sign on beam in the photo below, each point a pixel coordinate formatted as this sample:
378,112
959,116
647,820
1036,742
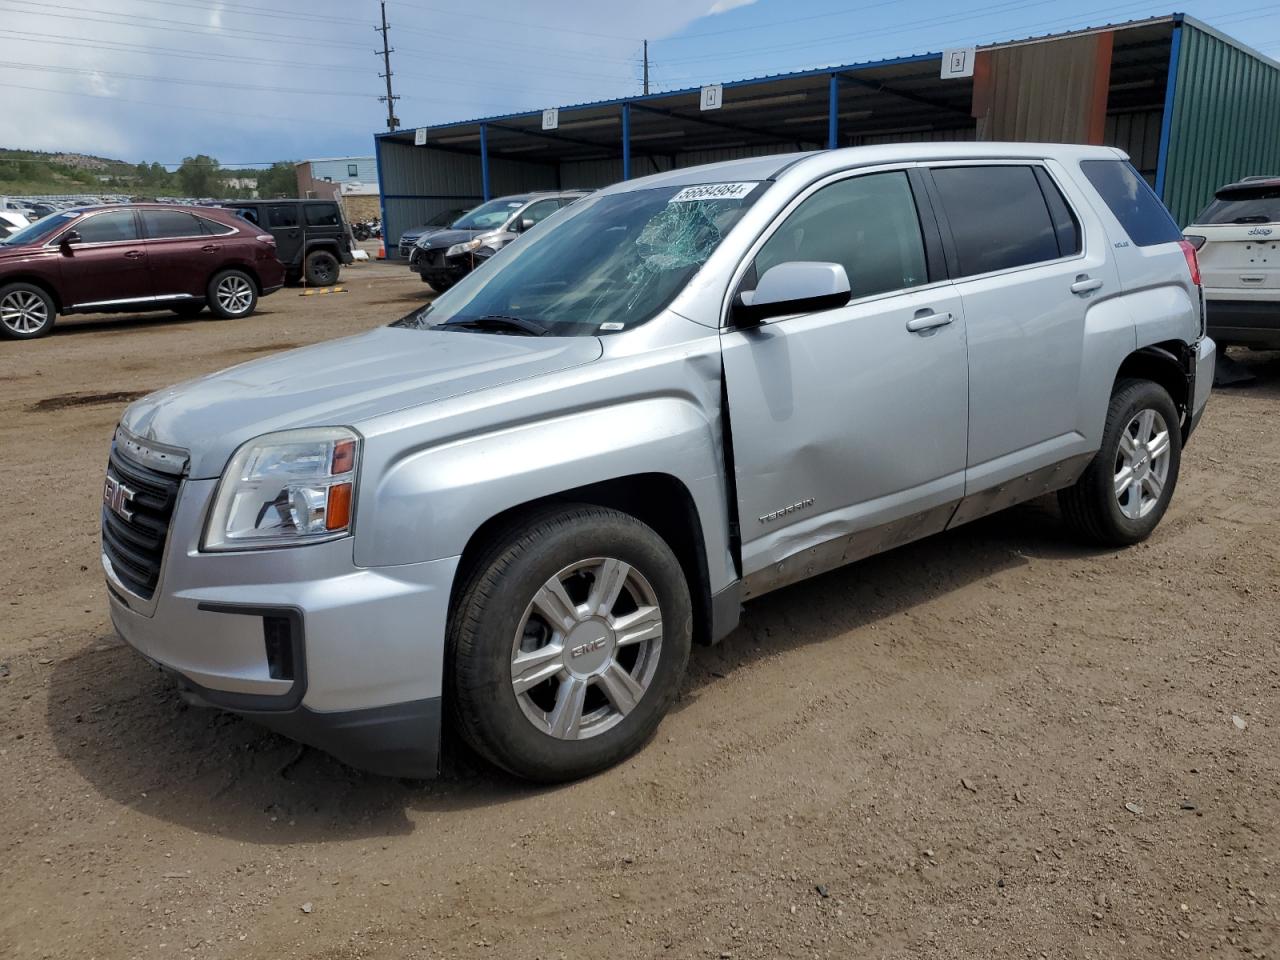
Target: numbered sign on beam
957,63
420,137
712,96
550,118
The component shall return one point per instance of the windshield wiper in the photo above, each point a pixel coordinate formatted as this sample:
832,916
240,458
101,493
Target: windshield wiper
1256,218
522,325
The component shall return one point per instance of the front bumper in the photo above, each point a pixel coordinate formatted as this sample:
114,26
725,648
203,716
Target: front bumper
434,265
362,676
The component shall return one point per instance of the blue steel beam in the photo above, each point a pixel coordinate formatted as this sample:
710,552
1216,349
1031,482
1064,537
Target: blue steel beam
484,161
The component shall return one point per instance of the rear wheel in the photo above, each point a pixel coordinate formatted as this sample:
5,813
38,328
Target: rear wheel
569,643
321,268
26,311
1126,489
232,294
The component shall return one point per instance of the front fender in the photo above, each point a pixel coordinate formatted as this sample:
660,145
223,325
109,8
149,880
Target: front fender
426,503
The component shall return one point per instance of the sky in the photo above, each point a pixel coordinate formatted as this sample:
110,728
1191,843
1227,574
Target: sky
253,81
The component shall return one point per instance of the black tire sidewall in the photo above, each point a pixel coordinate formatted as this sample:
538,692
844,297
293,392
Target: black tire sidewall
310,267
484,625
211,296
1125,405
44,331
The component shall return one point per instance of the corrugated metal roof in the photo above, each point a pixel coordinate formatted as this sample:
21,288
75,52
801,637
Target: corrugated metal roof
406,134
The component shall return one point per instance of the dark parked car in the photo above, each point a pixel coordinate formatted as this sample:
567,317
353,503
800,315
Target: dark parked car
445,257
132,258
438,222
313,239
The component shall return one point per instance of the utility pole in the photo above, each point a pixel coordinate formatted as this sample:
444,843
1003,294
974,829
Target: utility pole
390,99
646,68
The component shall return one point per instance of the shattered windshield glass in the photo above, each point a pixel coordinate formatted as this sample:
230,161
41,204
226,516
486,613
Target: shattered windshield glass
605,264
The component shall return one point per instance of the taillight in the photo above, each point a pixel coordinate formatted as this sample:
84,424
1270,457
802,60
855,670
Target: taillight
1195,241
1193,261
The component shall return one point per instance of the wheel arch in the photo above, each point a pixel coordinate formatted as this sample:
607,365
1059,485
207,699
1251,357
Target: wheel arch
1170,364
36,281
659,500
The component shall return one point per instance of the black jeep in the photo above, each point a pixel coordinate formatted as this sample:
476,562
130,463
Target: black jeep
312,237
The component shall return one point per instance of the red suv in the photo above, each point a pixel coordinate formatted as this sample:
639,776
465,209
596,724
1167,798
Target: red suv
131,258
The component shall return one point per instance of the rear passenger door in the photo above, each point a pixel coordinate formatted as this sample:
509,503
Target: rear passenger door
282,221
1028,271
181,254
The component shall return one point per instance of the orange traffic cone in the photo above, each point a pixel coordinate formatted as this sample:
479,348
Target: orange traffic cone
382,250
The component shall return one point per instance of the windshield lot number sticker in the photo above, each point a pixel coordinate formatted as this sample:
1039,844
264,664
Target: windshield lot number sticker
713,191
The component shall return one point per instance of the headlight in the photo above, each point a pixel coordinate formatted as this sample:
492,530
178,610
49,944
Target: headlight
286,488
458,249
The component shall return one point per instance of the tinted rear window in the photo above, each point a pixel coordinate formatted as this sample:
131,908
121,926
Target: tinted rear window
998,217
1133,202
1244,205
322,215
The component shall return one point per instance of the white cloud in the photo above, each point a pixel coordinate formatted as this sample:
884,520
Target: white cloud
724,6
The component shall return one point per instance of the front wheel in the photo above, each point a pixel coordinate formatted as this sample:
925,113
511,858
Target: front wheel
1126,489
321,268
569,643
26,311
232,294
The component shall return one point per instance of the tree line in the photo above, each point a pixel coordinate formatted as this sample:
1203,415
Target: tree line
27,173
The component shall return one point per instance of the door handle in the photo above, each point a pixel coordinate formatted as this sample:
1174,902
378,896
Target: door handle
210,248
928,320
1085,284
133,255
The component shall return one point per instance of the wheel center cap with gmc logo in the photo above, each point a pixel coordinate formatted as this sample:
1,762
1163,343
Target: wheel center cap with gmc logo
588,648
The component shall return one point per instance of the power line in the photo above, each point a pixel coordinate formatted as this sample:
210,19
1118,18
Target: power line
470,15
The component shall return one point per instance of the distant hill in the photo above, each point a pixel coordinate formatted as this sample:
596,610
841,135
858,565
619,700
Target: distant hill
25,173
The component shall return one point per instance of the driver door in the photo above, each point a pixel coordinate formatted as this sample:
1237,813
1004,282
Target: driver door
849,425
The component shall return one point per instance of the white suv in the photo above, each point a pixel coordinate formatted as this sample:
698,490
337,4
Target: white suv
1238,239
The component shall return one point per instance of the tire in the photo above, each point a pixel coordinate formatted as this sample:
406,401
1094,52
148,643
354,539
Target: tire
1144,412
531,733
321,268
26,312
440,286
232,294
189,309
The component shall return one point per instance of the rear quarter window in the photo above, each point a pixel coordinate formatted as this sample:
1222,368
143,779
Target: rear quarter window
322,215
1140,212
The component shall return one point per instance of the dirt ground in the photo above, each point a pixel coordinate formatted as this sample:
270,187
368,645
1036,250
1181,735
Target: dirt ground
995,743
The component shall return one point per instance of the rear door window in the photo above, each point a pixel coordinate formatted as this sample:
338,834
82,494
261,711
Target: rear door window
322,215
1134,204
867,224
285,215
247,213
170,224
999,217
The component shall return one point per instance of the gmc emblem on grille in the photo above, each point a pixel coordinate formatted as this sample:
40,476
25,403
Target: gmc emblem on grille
117,497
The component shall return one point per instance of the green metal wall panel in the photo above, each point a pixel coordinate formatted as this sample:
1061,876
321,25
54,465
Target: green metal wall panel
1225,123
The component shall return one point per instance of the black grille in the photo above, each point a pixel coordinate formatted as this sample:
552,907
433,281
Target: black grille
135,545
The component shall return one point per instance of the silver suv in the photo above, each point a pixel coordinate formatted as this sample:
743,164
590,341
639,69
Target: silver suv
512,511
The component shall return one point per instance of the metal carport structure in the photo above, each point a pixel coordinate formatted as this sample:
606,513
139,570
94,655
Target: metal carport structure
1193,108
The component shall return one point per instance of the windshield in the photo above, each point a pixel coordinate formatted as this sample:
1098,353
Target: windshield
35,232
445,219
489,215
1259,205
607,263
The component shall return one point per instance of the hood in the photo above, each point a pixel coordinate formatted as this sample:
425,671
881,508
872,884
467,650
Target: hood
447,237
340,383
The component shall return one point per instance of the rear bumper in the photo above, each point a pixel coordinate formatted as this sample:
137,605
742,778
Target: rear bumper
1246,322
267,291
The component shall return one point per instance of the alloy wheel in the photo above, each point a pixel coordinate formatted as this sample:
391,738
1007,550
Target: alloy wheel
586,649
234,294
1142,464
23,312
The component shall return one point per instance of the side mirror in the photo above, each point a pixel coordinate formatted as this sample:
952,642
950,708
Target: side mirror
798,286
525,224
68,238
